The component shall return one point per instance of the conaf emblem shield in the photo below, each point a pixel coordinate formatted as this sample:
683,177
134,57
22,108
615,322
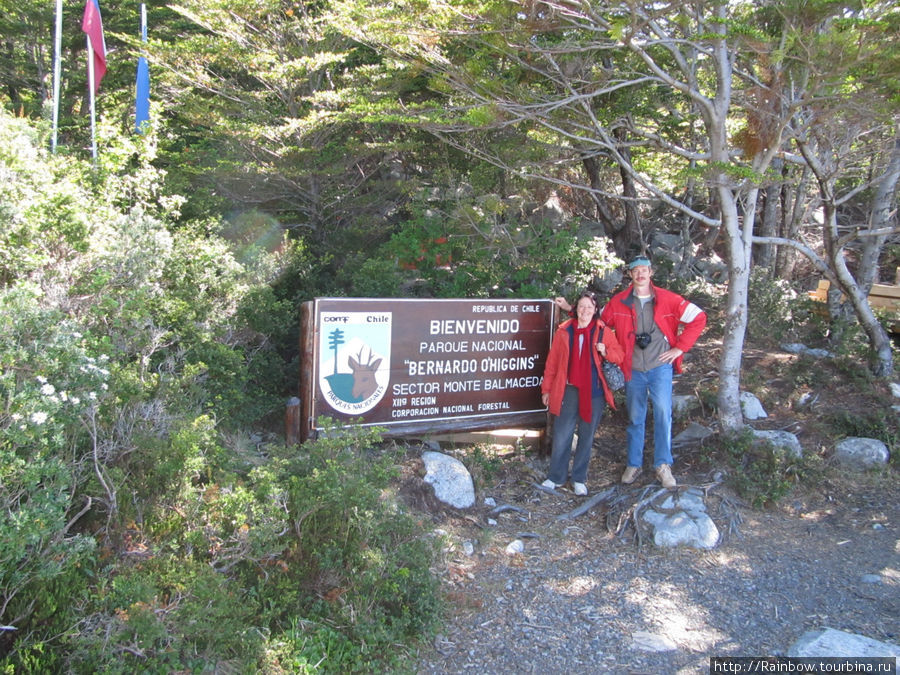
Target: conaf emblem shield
354,359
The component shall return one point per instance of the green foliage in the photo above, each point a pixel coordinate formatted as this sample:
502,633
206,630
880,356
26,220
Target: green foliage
305,562
136,539
50,384
874,424
483,464
44,221
772,304
359,564
760,472
480,247
166,614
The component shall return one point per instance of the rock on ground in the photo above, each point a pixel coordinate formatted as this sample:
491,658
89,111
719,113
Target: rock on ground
451,480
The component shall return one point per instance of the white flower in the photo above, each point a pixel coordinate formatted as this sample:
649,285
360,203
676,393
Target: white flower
104,386
38,417
93,396
42,379
76,335
48,390
75,400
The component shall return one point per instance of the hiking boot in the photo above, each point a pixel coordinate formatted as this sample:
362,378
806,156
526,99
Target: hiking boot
580,489
664,473
630,474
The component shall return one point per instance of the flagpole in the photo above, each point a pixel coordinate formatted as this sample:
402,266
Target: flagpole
91,90
142,82
57,69
92,25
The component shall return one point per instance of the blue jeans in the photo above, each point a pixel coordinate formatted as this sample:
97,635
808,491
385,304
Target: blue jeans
656,386
564,430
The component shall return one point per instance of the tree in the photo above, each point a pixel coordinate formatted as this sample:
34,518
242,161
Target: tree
561,60
709,89
844,124
281,114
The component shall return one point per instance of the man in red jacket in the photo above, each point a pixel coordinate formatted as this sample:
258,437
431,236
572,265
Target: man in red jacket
655,327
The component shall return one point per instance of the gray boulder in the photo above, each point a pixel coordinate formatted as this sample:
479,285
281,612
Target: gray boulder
712,268
837,643
450,478
681,520
861,453
693,433
781,440
814,352
751,406
682,404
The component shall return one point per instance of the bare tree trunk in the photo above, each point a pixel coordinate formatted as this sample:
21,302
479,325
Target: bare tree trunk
764,254
738,237
730,415
629,192
879,341
687,242
793,210
880,219
617,232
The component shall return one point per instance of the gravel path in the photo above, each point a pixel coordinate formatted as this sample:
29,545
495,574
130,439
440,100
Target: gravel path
581,598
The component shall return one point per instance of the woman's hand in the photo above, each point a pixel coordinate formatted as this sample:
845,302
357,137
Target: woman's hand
562,303
602,349
545,399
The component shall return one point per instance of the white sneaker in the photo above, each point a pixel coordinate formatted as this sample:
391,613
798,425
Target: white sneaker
549,484
580,489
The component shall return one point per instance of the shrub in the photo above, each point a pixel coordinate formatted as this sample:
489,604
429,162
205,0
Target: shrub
875,424
771,304
760,472
50,383
166,614
483,463
42,208
479,247
358,566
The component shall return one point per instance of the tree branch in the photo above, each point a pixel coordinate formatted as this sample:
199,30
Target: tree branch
813,257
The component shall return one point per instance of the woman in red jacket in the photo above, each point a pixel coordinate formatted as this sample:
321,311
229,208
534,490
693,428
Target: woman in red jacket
575,390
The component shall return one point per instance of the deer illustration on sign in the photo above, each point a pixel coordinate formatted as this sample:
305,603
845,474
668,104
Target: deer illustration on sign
364,384
354,359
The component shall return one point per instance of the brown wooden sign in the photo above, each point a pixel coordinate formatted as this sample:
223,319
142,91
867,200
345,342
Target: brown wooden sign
416,366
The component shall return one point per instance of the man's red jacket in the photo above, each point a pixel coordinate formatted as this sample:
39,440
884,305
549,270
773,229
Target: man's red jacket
670,311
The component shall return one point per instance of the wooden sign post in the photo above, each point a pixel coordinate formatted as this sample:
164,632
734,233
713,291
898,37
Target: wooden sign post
414,366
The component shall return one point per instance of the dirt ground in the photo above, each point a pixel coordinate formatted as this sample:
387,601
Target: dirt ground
588,592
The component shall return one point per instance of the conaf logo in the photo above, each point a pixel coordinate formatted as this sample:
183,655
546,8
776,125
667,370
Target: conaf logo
354,359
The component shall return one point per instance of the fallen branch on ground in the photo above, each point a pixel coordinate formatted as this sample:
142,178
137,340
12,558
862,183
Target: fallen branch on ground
588,504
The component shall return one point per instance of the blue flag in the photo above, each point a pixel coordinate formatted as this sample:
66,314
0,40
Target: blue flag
142,85
142,98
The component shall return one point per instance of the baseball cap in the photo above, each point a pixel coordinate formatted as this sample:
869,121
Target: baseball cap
637,261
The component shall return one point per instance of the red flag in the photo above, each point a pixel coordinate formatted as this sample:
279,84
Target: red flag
92,26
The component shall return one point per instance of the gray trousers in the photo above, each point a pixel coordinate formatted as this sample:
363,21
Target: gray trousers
564,428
